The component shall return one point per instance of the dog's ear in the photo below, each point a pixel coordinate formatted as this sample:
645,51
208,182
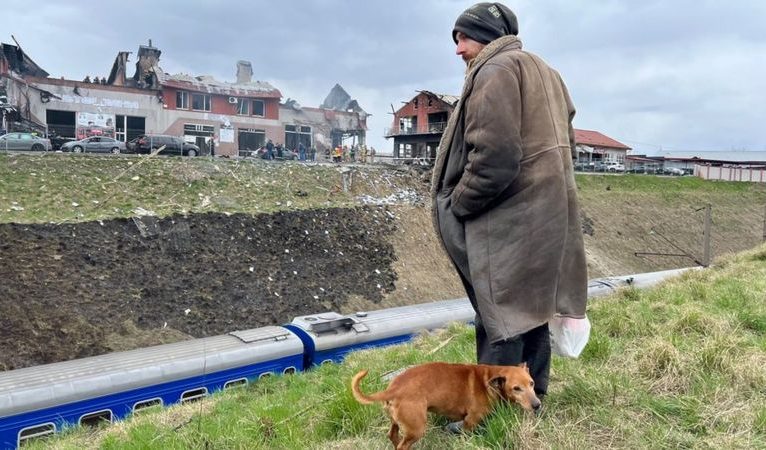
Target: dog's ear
524,366
497,383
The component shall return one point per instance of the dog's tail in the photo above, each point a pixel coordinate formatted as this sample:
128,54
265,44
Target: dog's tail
362,397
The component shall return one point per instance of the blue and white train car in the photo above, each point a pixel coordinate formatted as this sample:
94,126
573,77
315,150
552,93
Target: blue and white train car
38,401
330,336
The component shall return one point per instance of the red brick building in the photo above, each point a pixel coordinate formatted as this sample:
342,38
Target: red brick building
419,124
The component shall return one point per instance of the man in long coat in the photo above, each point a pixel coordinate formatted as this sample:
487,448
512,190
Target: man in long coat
505,200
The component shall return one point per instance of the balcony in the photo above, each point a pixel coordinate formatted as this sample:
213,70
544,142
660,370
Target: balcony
432,128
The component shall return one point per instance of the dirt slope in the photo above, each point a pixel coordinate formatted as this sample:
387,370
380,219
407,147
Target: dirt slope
78,289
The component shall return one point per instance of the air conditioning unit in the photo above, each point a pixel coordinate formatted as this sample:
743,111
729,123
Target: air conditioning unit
233,100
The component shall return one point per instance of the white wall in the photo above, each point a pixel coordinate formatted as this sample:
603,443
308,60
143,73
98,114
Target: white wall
730,173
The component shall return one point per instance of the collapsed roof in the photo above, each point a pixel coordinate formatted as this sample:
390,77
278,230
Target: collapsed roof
20,62
448,99
339,100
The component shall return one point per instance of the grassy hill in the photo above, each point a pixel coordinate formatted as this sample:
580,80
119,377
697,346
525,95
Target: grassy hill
623,214
676,366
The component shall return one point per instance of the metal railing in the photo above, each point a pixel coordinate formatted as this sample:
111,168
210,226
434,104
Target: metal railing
436,127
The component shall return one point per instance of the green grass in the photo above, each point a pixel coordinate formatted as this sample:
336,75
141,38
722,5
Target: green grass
75,188
677,366
669,185
59,187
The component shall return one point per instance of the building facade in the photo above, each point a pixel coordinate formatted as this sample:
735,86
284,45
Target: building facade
593,146
227,118
418,125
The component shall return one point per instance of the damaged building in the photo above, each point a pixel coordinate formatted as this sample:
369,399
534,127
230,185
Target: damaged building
339,120
418,125
233,117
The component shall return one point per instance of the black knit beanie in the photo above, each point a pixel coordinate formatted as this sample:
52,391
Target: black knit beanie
484,22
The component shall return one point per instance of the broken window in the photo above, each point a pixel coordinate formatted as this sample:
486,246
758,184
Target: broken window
182,100
259,108
251,139
295,135
201,102
408,125
135,127
242,107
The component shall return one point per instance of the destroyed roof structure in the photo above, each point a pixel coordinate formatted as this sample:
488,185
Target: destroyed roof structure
231,118
339,100
15,65
446,98
14,59
208,84
149,75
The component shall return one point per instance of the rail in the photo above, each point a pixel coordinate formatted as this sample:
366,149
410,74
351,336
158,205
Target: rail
432,128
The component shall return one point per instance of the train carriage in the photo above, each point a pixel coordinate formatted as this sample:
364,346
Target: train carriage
38,401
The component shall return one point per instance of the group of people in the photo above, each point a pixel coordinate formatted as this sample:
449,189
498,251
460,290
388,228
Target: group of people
337,154
271,151
355,153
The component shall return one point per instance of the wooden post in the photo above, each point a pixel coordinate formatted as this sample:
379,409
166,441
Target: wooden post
764,224
706,235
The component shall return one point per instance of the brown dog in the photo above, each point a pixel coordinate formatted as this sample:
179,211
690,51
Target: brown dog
458,391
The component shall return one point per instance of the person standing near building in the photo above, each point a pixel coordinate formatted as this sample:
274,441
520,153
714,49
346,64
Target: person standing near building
505,208
301,151
269,150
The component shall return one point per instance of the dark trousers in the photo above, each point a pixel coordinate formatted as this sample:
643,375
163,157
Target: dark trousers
532,347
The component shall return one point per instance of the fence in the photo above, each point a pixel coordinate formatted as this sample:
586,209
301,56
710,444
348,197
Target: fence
753,175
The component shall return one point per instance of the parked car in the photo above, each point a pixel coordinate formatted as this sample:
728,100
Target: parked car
615,167
100,144
286,154
24,142
673,171
599,166
146,143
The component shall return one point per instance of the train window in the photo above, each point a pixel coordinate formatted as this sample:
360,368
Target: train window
289,371
35,432
235,383
96,418
143,404
265,375
193,394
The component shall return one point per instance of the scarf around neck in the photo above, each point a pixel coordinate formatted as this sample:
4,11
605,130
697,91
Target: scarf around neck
449,132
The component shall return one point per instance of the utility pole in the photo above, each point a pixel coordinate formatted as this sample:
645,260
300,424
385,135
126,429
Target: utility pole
706,235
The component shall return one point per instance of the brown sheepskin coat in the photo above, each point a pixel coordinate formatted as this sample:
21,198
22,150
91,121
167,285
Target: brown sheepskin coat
505,200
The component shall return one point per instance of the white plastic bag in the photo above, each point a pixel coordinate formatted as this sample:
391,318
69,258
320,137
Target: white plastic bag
569,336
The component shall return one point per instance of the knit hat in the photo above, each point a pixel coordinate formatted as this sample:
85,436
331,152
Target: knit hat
484,22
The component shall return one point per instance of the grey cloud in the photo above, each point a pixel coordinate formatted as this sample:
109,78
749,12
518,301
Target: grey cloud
683,74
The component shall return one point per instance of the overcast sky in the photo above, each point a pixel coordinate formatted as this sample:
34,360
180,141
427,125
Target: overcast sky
657,75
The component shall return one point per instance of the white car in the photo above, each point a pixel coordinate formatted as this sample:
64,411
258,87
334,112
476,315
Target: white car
674,171
615,167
